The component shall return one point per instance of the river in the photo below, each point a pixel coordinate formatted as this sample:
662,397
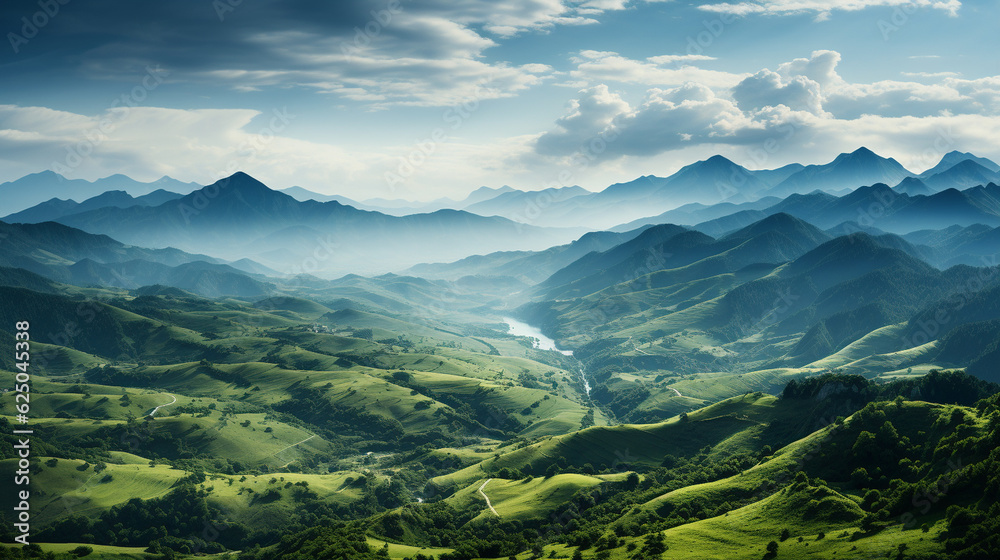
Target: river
541,342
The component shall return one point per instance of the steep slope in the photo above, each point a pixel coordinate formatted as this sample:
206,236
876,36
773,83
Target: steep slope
598,261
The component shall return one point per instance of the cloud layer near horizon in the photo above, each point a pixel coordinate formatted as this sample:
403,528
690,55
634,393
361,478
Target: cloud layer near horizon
801,103
550,80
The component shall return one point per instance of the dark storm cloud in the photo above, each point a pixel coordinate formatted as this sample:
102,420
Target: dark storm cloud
374,51
188,34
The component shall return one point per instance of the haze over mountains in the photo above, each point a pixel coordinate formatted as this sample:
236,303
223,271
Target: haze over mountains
379,375
714,196
36,188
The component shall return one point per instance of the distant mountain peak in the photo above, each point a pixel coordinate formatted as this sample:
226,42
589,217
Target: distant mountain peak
242,175
485,189
913,187
846,171
243,182
781,222
241,190
954,158
967,165
862,154
879,187
719,160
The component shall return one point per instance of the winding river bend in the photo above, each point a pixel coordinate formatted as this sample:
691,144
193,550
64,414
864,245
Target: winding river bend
542,342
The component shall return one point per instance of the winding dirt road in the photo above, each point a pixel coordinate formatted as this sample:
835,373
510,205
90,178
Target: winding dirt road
153,412
487,497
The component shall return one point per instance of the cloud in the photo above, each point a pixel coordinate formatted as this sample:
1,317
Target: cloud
820,67
823,8
768,89
666,70
813,84
204,145
667,119
930,74
350,50
805,98
590,114
149,142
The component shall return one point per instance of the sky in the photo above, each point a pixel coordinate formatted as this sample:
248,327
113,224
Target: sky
407,99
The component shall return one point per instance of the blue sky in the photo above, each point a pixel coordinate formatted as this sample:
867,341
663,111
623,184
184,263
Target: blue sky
407,99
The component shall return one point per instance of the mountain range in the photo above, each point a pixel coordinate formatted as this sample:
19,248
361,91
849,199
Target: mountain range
37,188
714,182
56,208
763,376
239,216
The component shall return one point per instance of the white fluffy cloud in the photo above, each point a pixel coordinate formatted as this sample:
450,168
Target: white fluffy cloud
820,67
667,70
768,89
822,7
590,114
804,98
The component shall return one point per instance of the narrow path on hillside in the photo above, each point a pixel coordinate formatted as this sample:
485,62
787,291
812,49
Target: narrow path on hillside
153,412
294,444
487,497
678,393
636,347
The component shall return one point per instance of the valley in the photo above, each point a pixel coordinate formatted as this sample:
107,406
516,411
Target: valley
783,376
